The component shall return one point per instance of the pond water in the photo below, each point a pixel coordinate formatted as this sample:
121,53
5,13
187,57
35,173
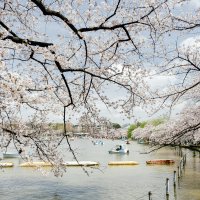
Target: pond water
105,183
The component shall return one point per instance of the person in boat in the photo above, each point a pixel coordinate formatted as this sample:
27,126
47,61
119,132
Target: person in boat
119,147
20,151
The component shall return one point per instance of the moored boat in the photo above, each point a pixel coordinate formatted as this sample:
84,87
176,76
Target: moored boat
123,163
68,164
10,155
81,163
160,161
36,164
9,164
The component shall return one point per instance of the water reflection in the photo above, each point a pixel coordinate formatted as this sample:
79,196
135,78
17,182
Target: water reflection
56,197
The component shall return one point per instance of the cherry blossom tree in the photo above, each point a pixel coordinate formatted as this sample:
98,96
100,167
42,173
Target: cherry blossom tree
182,63
182,131
66,57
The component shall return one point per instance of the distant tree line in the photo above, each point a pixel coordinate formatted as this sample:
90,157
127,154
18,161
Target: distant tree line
154,122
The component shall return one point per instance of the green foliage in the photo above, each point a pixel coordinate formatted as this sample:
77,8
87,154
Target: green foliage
158,121
154,122
134,126
143,124
116,126
130,129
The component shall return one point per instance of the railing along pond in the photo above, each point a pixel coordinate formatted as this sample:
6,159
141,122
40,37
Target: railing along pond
176,175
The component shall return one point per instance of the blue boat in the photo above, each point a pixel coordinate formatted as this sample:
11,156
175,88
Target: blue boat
10,155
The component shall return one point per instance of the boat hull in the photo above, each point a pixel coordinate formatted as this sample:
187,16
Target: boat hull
67,164
2,165
10,155
160,162
117,163
118,152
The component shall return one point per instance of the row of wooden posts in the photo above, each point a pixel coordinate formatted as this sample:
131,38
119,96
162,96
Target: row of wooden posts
177,174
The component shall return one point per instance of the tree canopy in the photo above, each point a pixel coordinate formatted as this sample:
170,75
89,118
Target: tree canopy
141,125
70,58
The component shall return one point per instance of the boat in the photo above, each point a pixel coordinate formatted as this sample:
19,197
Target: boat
127,142
117,163
142,141
67,164
123,138
36,164
119,149
160,161
98,142
9,164
10,155
80,163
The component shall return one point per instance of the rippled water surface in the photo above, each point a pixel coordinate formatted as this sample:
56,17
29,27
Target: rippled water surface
106,183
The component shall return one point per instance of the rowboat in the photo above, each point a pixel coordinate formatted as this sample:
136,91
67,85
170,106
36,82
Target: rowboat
10,155
142,141
68,164
123,163
9,164
127,142
98,142
160,161
80,163
36,164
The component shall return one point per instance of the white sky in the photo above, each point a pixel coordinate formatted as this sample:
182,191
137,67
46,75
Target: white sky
196,3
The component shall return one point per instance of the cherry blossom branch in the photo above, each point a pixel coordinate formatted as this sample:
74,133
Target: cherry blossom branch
114,13
177,136
47,11
17,39
122,25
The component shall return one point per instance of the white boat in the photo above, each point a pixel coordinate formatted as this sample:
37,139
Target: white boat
81,163
119,149
6,165
10,155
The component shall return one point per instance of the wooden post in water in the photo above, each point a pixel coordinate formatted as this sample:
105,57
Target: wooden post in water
180,151
174,178
167,186
150,195
185,159
180,167
179,174
175,197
